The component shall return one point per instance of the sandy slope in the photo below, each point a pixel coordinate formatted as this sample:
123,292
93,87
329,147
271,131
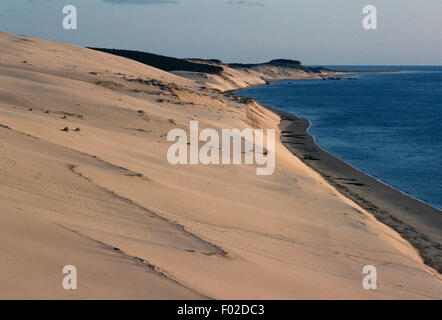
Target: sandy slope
182,231
232,79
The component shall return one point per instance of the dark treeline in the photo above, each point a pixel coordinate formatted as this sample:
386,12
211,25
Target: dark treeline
163,62
277,63
212,66
284,63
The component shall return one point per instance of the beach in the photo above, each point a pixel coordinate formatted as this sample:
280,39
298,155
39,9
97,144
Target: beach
414,220
84,181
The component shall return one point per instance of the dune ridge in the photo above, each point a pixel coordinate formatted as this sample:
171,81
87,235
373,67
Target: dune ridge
105,199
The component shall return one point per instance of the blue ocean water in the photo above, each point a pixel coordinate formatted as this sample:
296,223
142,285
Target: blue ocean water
388,125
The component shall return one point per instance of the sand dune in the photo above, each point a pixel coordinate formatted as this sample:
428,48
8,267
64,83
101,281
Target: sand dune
104,198
232,79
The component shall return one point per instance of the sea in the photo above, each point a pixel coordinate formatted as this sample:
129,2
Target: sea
384,120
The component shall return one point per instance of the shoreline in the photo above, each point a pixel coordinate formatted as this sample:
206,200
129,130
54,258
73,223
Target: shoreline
416,221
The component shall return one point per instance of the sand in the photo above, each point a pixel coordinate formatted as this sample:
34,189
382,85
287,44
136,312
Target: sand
105,199
414,220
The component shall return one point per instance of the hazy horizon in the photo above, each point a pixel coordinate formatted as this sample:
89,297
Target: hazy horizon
252,31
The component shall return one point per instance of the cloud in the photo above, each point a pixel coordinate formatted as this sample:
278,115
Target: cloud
141,1
246,2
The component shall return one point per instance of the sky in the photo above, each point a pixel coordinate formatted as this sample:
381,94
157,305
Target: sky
317,32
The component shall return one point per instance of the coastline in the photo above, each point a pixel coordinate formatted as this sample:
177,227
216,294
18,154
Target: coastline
416,221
